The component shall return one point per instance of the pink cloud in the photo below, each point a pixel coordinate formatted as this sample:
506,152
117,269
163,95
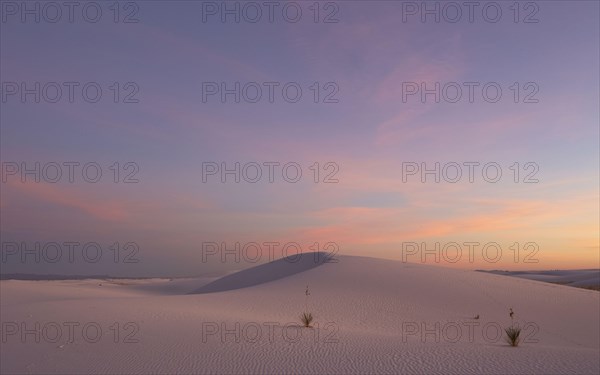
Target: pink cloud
109,210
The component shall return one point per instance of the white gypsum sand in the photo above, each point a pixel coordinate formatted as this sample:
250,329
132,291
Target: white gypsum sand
366,311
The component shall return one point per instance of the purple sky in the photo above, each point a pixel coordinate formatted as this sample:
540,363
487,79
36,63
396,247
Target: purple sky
370,129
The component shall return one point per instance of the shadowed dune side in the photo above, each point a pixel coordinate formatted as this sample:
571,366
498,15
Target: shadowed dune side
265,273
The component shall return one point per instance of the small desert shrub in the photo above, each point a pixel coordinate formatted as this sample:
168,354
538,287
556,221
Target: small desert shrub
306,319
512,335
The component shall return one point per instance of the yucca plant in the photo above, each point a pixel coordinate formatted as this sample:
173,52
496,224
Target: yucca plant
513,332
306,319
512,335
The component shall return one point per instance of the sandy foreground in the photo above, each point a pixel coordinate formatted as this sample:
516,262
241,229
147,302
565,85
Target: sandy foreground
371,316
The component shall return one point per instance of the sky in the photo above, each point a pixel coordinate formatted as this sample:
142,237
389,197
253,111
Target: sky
337,114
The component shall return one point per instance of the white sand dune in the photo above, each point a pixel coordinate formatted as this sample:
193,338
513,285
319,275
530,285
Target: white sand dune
363,308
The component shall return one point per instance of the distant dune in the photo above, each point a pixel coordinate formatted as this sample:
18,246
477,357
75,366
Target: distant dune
371,316
29,276
587,279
